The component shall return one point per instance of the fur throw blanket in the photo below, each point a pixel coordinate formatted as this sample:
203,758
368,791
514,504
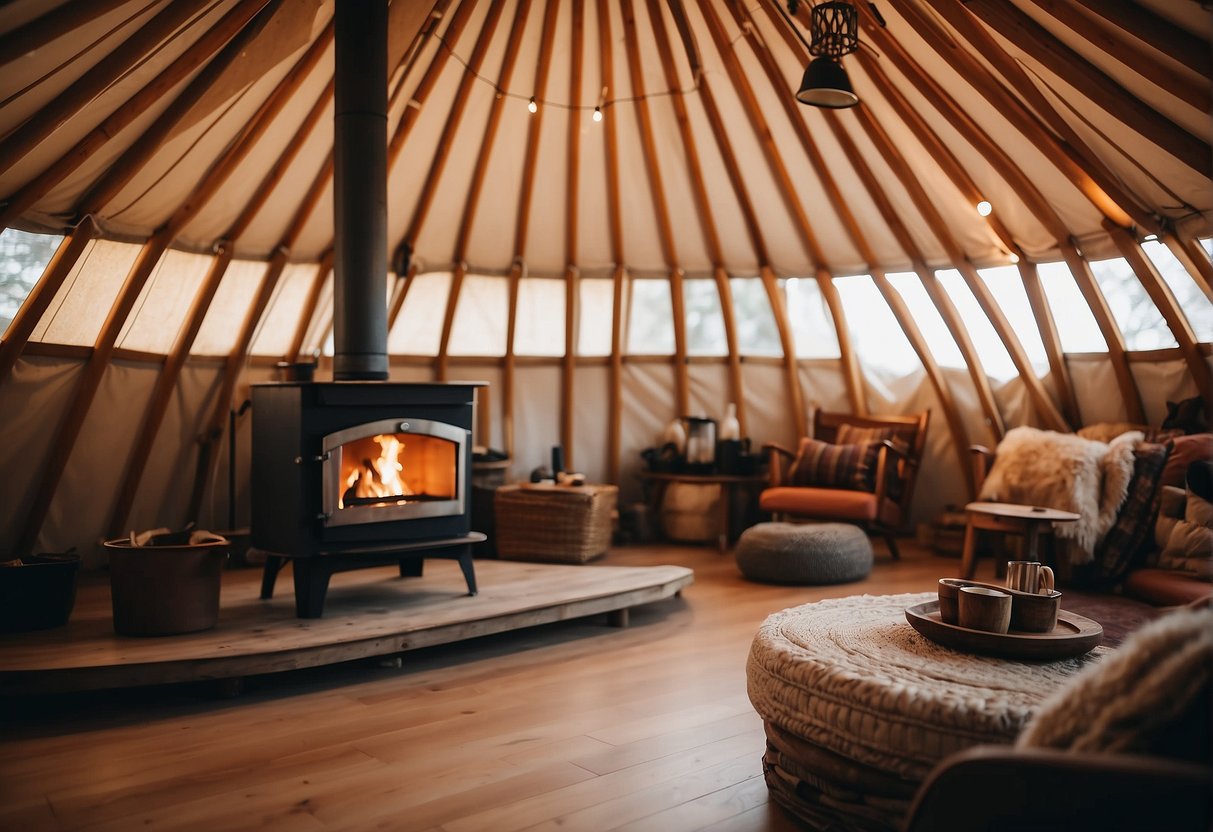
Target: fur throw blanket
1065,472
1149,696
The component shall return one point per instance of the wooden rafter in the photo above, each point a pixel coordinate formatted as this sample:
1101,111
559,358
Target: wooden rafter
1195,259
939,227
31,37
323,268
702,202
745,93
1117,354
448,321
1128,49
788,345
1093,83
615,232
1164,36
162,393
233,30
1047,326
99,78
1065,150
402,292
70,249
1161,294
665,231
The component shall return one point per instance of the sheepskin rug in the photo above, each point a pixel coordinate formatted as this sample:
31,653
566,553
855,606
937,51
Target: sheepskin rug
1066,472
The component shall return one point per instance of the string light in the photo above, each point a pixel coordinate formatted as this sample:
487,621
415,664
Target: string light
597,114
532,106
1013,257
985,208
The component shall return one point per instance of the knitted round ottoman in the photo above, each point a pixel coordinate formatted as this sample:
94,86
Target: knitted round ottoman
810,553
858,707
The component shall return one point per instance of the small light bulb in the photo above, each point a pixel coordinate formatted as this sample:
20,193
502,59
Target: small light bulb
984,208
1013,257
532,106
597,114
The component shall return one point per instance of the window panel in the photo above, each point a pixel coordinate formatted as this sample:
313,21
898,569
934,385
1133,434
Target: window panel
705,321
1006,285
809,318
596,311
418,329
227,310
1076,324
539,326
930,323
1139,320
1192,301
480,316
23,259
164,302
84,300
990,350
650,318
757,333
879,340
277,328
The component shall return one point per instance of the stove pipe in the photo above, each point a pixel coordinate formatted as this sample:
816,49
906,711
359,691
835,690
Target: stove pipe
360,191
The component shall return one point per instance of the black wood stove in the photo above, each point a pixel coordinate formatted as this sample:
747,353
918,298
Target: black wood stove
352,474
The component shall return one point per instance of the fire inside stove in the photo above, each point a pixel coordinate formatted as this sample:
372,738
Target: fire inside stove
393,469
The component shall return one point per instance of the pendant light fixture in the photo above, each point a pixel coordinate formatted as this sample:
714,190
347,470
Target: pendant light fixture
834,26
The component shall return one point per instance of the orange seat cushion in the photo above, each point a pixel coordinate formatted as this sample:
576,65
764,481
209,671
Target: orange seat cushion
828,504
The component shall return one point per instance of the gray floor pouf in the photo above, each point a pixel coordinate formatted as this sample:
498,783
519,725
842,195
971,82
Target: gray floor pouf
809,553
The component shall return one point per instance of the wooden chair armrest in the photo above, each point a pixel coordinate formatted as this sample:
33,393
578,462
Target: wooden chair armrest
981,459
779,449
780,460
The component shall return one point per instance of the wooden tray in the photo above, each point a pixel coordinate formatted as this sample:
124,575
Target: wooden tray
1073,636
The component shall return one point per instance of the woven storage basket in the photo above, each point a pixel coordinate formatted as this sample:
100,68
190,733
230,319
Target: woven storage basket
556,524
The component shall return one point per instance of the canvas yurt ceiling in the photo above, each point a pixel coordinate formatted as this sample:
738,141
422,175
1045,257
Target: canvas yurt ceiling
613,211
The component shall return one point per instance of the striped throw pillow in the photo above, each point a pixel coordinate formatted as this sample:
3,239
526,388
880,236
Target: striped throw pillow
822,465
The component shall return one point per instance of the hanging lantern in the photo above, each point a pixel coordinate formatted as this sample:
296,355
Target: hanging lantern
835,32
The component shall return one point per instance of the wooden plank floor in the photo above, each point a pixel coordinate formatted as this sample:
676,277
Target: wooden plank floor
572,725
370,612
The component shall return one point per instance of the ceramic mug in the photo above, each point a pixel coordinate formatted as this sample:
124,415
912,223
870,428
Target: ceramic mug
1029,576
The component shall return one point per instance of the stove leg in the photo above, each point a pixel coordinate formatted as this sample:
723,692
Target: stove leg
469,569
411,567
269,574
311,585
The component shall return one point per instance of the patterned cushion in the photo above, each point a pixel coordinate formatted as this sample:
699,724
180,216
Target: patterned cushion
822,465
1124,545
853,434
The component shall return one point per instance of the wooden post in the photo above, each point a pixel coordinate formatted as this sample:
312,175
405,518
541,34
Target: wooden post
1052,341
788,345
572,212
1194,258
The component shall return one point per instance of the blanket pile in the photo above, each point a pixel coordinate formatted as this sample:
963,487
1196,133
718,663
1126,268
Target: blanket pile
1065,472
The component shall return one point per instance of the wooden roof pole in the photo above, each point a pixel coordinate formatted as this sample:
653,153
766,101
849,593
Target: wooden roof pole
1161,34
40,31
99,78
778,308
526,191
1059,372
796,117
1040,397
408,119
231,30
568,362
1195,259
1027,190
323,268
404,284
425,196
1086,173
1161,294
940,299
161,394
702,203
213,429
1091,81
665,231
956,426
850,364
615,233
1085,278
1144,61
448,322
70,249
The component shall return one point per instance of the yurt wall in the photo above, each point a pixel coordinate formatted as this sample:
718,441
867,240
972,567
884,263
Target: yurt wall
614,212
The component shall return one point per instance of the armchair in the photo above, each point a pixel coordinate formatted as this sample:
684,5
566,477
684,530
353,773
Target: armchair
855,469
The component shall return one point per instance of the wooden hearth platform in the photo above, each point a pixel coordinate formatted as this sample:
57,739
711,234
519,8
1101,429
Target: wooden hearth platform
372,612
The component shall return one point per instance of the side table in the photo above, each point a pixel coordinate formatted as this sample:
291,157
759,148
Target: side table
656,482
1030,521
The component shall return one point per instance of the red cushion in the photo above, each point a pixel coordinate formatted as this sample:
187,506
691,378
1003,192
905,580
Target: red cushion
1184,451
828,504
1165,587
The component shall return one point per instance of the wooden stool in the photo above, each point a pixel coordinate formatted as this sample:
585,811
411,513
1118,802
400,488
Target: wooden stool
1008,518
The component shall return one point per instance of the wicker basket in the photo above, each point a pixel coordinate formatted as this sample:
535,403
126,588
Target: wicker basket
554,524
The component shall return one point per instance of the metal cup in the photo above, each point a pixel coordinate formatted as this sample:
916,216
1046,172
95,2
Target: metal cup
1029,576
